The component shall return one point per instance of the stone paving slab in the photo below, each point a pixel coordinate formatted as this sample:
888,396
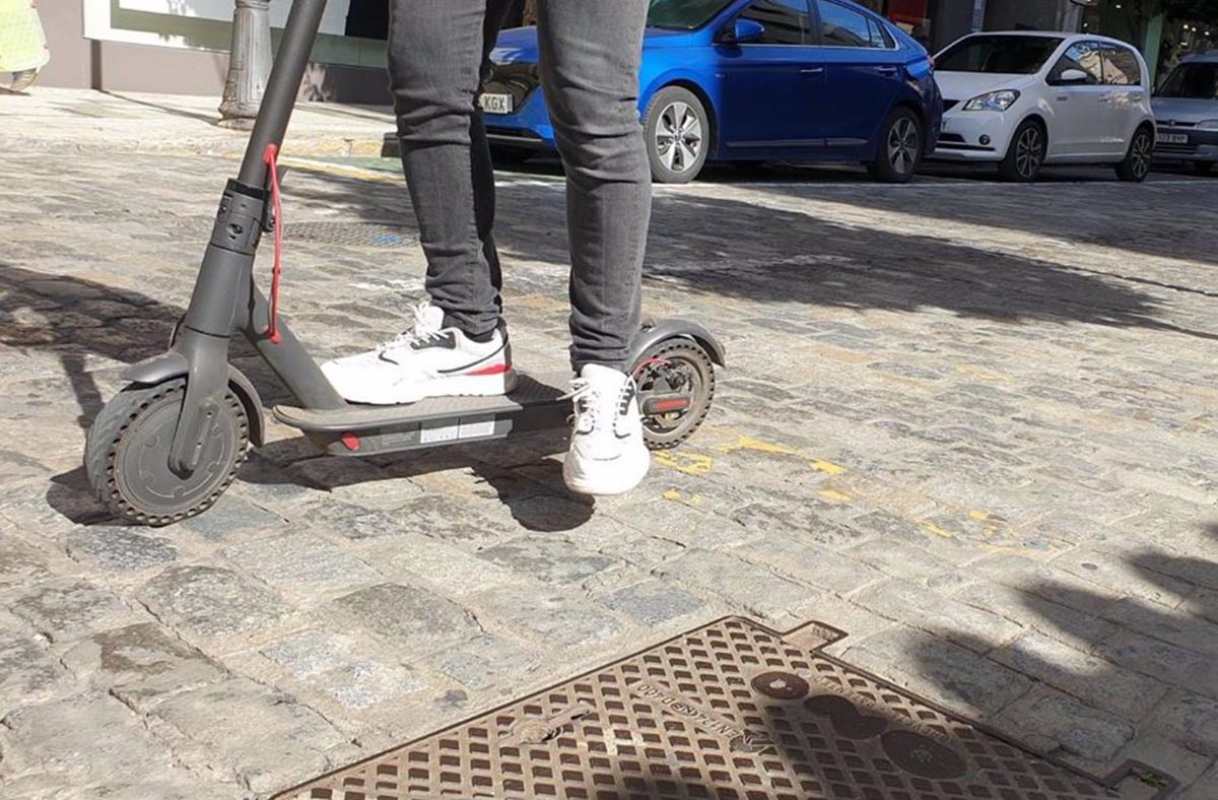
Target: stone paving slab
973,424
83,121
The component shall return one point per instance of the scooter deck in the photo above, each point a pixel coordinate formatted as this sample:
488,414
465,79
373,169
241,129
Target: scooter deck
359,430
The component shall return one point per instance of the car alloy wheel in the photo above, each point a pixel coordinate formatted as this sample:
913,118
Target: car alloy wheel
1140,155
904,144
679,137
1028,150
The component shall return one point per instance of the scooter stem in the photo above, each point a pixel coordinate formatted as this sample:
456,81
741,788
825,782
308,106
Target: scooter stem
224,290
291,59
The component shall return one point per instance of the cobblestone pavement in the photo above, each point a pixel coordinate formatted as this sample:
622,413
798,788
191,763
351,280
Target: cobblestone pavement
971,424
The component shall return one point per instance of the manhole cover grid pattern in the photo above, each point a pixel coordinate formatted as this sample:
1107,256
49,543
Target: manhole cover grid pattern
728,711
351,234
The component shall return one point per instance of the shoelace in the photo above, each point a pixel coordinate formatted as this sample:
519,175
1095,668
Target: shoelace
423,331
581,396
629,392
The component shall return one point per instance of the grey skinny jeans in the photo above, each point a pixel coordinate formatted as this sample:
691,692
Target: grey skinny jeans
590,52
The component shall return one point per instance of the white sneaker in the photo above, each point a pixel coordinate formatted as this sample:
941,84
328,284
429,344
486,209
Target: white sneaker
429,361
607,455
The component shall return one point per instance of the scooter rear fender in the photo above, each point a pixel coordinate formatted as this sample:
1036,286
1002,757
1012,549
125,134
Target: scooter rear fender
655,331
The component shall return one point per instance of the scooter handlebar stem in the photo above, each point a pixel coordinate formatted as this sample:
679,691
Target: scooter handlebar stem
291,59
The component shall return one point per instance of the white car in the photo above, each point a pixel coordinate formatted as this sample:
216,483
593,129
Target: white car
1026,99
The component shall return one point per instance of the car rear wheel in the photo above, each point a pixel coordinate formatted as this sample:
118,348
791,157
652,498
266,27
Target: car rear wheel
900,150
1136,165
1026,153
678,135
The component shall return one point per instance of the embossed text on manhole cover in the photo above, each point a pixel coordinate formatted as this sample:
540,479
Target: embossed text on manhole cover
733,711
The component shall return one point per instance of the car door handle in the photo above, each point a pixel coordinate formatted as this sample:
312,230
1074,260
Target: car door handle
811,70
886,70
1063,98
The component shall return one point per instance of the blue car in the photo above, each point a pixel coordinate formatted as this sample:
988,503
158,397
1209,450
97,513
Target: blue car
749,80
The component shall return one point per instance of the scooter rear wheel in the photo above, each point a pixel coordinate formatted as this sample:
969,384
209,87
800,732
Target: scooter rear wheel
676,381
127,455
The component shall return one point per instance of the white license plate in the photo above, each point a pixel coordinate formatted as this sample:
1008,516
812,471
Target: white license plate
496,103
1173,138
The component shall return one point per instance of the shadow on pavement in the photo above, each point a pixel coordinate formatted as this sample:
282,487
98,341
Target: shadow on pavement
78,320
1119,669
1094,214
210,119
805,260
1096,211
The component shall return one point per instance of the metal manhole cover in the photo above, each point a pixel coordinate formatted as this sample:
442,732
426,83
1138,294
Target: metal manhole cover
732,711
352,234
355,234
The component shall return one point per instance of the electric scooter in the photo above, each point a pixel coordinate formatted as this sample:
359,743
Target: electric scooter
169,444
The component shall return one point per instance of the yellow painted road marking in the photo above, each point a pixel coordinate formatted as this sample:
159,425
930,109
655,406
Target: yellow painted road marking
695,464
677,496
753,444
982,374
834,496
937,531
827,467
341,169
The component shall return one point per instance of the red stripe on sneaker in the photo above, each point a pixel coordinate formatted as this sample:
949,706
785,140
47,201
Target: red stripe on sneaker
494,369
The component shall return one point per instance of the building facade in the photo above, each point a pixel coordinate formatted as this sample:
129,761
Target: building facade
180,46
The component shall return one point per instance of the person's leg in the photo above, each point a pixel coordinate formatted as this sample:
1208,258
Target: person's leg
590,54
437,53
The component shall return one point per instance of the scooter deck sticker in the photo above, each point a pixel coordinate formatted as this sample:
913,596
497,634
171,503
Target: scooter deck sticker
730,710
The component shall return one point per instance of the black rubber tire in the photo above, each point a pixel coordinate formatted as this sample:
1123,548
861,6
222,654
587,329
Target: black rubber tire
1137,162
689,355
1204,168
901,123
119,477
660,103
1011,169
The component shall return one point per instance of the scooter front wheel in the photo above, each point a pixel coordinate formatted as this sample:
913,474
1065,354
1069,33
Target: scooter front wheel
127,455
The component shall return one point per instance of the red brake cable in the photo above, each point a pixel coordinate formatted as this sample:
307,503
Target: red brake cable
271,157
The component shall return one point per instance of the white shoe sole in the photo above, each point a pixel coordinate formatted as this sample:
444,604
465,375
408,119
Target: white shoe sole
414,391
616,477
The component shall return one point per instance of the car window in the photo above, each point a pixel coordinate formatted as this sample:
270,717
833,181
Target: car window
683,15
1121,67
1197,80
1005,55
843,27
879,36
785,21
1084,56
